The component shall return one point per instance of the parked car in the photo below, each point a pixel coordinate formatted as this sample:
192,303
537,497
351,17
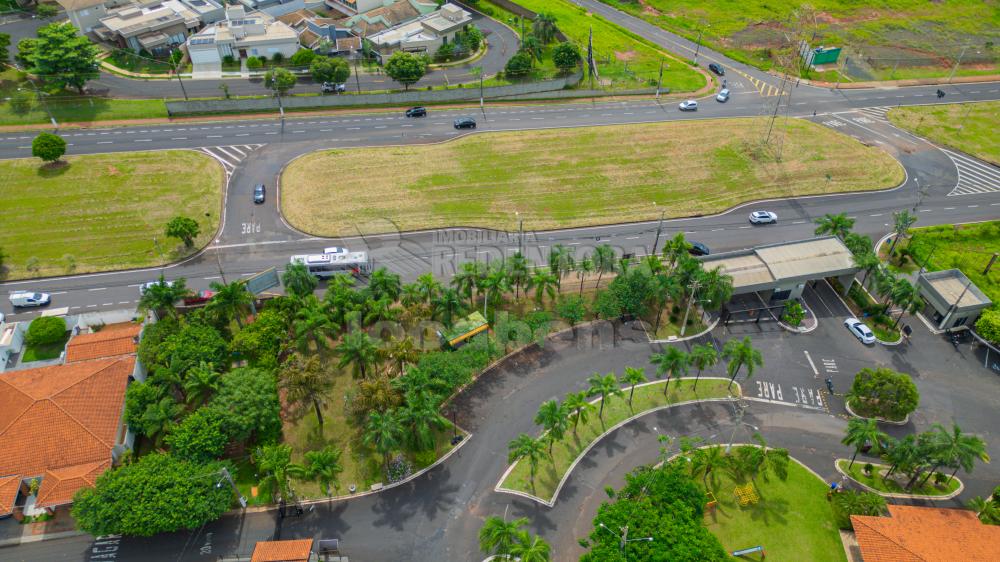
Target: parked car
145,286
416,112
258,193
201,297
27,299
697,248
717,68
860,330
723,95
763,217
331,88
465,123
688,105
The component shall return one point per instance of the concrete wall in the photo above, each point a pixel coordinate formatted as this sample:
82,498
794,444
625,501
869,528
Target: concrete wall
397,98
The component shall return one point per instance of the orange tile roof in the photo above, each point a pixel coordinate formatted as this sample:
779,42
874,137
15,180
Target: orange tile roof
926,534
54,418
59,485
282,551
8,493
113,340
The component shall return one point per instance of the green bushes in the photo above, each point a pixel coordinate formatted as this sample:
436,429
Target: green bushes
988,326
883,393
853,502
46,330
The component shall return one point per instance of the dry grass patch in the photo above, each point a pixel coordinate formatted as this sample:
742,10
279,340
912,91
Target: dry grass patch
572,177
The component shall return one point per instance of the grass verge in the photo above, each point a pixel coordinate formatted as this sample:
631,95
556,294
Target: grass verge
968,247
573,177
894,485
46,351
551,470
969,127
103,212
792,521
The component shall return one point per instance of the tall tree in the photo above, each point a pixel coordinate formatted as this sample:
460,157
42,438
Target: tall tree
421,415
577,408
862,433
901,223
497,537
322,466
526,447
307,382
866,261
552,417
48,147
740,353
518,272
279,79
956,449
530,548
543,283
401,352
272,462
673,362
604,261
229,301
312,325
405,68
495,285
544,27
184,229
63,57
703,356
159,418
561,262
583,269
161,296
298,281
429,287
907,298
604,386
632,377
675,249
839,225
200,383
466,279
358,350
384,284
384,434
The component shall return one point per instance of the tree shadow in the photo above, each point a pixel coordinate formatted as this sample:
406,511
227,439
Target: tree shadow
53,169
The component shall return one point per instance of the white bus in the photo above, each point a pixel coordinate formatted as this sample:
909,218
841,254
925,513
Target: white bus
327,265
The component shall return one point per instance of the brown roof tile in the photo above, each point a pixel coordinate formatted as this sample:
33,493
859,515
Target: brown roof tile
8,493
111,341
58,486
925,534
282,551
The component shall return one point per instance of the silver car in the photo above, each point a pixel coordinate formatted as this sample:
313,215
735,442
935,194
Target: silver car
859,330
763,217
723,96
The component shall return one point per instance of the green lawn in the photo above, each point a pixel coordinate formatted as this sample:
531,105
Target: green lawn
965,247
560,178
46,351
792,521
87,109
103,212
969,127
551,470
627,60
895,484
891,39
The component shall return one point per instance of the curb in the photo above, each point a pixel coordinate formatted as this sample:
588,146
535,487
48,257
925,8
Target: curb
675,339
795,330
39,538
961,486
847,404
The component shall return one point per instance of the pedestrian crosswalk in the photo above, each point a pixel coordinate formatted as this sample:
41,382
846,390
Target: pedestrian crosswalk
762,87
876,113
974,176
230,156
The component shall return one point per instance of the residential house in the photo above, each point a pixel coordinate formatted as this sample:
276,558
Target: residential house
278,8
425,34
156,27
354,7
389,13
926,534
240,35
62,426
85,14
323,35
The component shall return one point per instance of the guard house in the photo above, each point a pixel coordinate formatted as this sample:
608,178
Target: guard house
953,300
779,272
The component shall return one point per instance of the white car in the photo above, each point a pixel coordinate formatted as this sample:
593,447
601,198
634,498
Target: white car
335,250
723,96
688,105
145,286
26,299
860,330
763,217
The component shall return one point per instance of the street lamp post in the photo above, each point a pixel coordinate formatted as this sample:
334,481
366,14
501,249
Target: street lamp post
697,48
623,539
659,230
957,63
520,233
740,410
178,74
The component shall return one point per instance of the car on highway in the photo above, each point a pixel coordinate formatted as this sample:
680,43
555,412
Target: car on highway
722,96
331,88
697,248
258,193
858,329
763,217
688,105
465,123
25,299
416,112
717,68
147,285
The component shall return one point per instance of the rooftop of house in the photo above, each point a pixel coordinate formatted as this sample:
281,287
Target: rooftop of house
255,27
389,15
950,286
424,28
925,534
282,551
112,340
72,5
134,19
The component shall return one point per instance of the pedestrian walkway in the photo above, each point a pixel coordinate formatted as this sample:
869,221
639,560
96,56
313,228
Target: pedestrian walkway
230,156
876,113
974,176
762,87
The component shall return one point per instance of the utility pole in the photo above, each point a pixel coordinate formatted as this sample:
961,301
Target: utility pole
659,229
659,82
178,73
482,103
226,476
520,233
41,97
957,64
357,79
698,47
695,285
990,265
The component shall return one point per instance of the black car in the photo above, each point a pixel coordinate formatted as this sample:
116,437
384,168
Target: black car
258,193
698,249
331,88
717,68
465,123
416,112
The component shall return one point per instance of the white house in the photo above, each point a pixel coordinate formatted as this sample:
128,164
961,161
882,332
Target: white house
240,35
425,34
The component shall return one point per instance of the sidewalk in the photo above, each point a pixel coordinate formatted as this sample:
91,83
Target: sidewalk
13,533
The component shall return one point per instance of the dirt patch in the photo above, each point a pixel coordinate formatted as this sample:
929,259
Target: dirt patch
649,10
624,56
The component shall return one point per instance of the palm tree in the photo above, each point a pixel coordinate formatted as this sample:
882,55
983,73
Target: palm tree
577,407
706,461
902,221
384,434
672,362
379,310
401,352
161,296
526,446
675,249
900,453
544,27
272,461
530,548
306,382
716,288
358,350
429,287
987,510
498,537
584,268
446,305
298,281
604,261
605,386
839,225
885,284
907,297
543,282
703,357
632,376
858,243
159,418
518,272
552,417
312,325
375,394
561,262
740,353
862,433
494,285
200,383
384,284
465,279
956,449
866,261
229,301
667,290
322,465
533,47
422,417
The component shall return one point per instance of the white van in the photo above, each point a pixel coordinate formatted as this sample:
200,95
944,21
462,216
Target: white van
25,299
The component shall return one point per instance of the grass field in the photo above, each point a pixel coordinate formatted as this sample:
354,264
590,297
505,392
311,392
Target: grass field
969,127
895,484
792,521
551,470
102,212
628,61
573,177
45,352
890,39
965,247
